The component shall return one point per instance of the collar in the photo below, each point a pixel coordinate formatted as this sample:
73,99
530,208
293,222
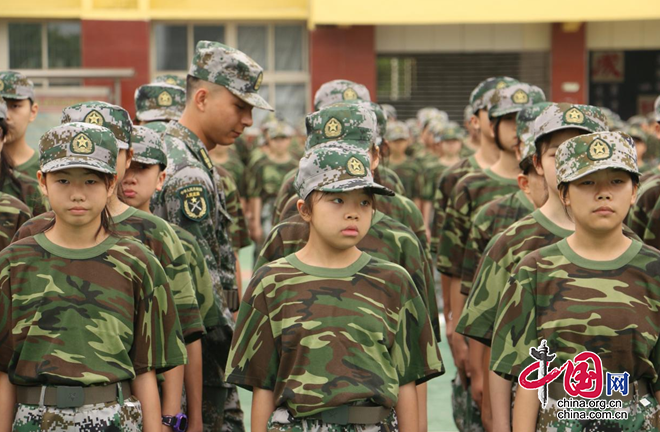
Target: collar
192,141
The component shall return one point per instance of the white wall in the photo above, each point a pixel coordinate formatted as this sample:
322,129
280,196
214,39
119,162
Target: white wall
463,38
638,35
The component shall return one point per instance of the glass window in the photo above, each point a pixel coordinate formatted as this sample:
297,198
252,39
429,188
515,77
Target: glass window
63,45
290,102
252,41
289,47
171,47
25,46
214,33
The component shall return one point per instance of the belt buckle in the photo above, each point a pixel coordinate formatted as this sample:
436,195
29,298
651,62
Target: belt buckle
337,415
70,397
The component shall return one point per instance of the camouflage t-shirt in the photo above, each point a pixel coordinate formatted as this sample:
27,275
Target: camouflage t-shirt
13,214
606,307
159,237
386,239
237,170
640,212
266,176
490,220
193,199
448,180
412,176
85,316
28,191
471,193
320,338
433,170
238,229
30,166
492,275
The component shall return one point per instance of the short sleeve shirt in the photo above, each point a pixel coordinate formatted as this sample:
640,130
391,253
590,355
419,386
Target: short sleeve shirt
13,214
84,316
606,307
303,330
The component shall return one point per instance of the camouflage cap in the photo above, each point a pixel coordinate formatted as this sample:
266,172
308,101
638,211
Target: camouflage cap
349,123
280,129
3,109
390,111
525,129
481,94
78,145
425,115
637,120
446,132
156,126
219,64
467,113
148,146
413,127
159,102
381,116
656,109
333,168
513,99
338,91
14,85
614,122
637,131
104,114
171,79
397,130
559,116
586,154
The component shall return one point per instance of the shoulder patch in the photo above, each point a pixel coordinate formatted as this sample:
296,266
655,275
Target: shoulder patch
194,202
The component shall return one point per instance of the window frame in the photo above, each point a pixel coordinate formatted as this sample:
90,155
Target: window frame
271,76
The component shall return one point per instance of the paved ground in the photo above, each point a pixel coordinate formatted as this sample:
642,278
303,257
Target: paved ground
439,403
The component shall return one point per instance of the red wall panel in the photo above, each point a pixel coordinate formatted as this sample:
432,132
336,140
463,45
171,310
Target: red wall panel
569,63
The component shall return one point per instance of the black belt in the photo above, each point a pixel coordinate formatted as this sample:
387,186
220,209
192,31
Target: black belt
346,414
73,397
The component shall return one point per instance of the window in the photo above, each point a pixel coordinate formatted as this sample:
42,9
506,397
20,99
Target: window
395,77
279,48
44,45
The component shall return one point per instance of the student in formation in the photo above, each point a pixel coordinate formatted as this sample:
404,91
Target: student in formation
311,319
86,315
614,279
547,225
406,167
13,212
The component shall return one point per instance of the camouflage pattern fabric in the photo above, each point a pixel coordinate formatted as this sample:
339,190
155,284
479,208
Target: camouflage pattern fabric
171,79
13,214
156,126
448,180
354,124
397,130
91,418
159,237
525,131
161,102
490,220
336,168
481,94
305,366
433,170
624,332
388,178
637,131
233,414
280,129
389,110
425,115
29,167
639,218
27,190
466,413
14,85
471,193
103,114
238,172
104,282
266,177
148,148
643,415
412,176
586,154
238,229
651,232
282,421
559,116
201,279
193,198
222,65
513,99
446,131
656,109
386,239
338,91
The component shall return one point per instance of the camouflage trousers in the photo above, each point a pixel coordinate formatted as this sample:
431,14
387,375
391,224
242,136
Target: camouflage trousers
221,409
643,416
282,421
467,415
106,417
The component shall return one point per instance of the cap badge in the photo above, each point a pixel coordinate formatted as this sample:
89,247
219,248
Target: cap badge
94,117
500,85
355,167
332,128
165,99
257,83
350,94
520,97
599,150
574,116
171,81
81,144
